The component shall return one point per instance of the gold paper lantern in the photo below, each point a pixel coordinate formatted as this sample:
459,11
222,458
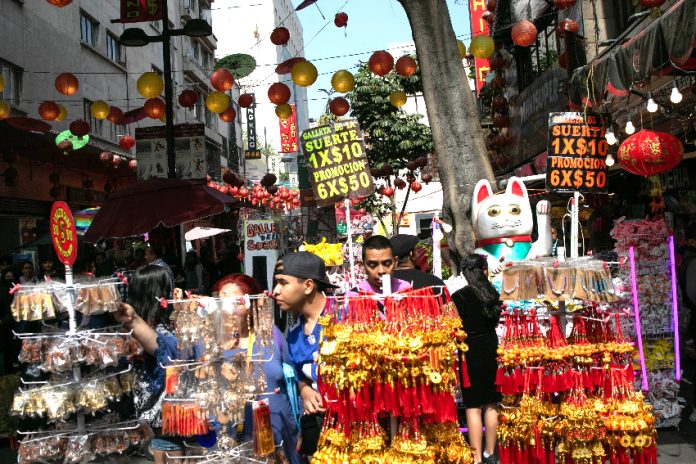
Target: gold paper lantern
163,118
482,46
150,85
304,73
397,98
2,83
462,49
283,111
5,110
217,102
63,113
99,109
343,81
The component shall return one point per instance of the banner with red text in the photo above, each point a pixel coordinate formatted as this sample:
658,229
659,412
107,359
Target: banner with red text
140,11
288,133
479,26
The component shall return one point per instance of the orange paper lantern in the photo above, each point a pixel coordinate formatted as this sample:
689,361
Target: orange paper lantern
188,98
222,80
67,83
79,128
126,142
154,108
381,63
648,153
341,19
245,100
279,93
567,25
339,106
115,115
49,111
60,3
228,115
524,33
406,66
280,36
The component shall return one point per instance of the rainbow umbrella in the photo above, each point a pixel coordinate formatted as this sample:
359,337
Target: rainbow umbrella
83,219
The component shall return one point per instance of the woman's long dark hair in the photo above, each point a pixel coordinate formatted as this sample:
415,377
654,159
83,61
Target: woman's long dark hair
145,287
472,268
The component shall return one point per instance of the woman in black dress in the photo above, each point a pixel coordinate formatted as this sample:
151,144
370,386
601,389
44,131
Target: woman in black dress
479,307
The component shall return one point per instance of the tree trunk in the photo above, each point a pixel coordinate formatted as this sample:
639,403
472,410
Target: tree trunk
457,133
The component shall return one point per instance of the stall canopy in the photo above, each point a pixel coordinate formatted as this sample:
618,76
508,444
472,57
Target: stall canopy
140,208
665,46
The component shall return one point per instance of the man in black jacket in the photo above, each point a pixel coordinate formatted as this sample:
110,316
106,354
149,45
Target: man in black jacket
404,247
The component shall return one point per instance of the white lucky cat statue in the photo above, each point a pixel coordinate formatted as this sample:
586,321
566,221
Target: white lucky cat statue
503,224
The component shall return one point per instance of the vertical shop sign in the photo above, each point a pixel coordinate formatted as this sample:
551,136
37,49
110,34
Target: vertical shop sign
261,249
479,26
63,233
140,11
336,162
576,153
251,125
288,133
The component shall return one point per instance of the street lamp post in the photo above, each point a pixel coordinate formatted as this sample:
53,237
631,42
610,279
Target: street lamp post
134,37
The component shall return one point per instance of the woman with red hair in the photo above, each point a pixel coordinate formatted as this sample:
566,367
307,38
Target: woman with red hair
278,378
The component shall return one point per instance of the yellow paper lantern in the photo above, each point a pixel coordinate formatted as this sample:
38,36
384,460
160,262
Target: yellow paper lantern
150,85
462,49
217,102
343,81
63,113
99,109
304,73
397,98
5,110
482,46
283,111
2,83
163,118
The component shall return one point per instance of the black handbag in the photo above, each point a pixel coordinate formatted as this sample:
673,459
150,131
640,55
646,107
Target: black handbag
310,429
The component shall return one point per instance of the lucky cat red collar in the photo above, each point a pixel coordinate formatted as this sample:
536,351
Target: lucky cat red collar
506,240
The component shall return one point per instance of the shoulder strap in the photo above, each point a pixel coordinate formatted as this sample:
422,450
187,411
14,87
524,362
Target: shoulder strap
289,376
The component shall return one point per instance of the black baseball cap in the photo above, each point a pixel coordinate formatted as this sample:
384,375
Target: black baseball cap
306,265
402,244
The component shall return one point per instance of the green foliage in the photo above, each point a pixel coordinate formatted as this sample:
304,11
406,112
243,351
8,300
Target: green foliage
391,135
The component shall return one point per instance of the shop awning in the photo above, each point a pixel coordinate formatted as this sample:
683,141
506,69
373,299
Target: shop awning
140,208
665,45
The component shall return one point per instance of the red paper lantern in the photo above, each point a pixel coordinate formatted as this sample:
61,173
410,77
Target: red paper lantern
133,164
381,63
279,93
564,4
188,98
126,142
280,36
116,160
406,66
492,4
341,19
524,33
222,80
67,83
49,110
154,108
387,191
497,61
652,3
416,186
567,25
339,106
245,100
648,153
79,128
427,177
106,157
65,146
60,3
228,115
115,115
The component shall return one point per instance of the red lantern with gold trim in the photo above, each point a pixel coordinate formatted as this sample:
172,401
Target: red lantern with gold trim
339,106
524,33
126,142
188,98
648,153
222,80
567,25
406,66
228,115
245,100
279,93
280,36
49,111
381,63
154,107
67,83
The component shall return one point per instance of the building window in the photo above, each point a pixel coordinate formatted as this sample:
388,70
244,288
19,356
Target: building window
12,92
113,48
89,30
95,124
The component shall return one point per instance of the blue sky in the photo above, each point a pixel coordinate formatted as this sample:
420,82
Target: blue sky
372,25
